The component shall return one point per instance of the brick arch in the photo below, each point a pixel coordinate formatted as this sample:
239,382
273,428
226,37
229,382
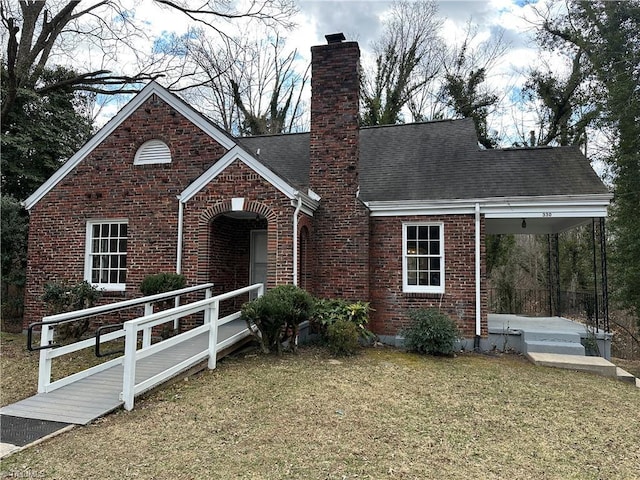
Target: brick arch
305,253
225,206
205,236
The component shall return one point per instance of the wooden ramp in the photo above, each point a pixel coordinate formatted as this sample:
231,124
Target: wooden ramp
94,396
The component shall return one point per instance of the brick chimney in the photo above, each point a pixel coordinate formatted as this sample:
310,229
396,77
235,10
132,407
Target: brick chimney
341,223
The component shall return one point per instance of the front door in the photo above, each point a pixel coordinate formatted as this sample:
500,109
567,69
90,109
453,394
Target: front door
258,266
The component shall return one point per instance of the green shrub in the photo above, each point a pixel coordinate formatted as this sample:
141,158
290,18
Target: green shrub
431,332
277,315
329,311
162,283
342,338
62,297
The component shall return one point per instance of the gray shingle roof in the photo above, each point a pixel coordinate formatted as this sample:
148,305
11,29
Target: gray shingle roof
438,160
287,155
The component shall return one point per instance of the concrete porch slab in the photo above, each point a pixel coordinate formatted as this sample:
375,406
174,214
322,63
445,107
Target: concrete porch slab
596,365
499,322
509,332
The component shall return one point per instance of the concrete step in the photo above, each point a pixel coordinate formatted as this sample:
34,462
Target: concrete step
559,347
574,362
625,376
551,336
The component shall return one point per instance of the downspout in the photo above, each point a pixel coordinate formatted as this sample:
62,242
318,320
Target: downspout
179,248
476,344
295,239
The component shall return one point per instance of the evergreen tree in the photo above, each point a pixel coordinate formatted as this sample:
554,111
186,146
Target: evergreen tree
40,132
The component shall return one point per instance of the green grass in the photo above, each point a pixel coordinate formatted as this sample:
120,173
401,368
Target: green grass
381,414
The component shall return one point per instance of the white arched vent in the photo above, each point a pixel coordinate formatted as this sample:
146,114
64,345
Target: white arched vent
153,151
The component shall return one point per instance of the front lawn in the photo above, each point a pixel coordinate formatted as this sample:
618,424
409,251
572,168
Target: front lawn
381,414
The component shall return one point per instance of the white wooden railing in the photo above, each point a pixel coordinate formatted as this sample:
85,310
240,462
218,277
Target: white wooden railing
49,323
210,307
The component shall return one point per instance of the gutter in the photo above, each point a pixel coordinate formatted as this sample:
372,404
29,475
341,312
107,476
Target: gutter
180,229
478,271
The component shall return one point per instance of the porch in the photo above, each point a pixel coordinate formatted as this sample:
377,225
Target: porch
559,335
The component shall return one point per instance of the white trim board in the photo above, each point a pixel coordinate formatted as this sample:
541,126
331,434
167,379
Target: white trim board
565,206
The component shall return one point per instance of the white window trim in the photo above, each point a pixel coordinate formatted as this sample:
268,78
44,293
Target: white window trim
110,287
406,288
152,152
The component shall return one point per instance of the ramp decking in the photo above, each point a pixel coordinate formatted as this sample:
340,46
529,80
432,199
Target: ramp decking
96,395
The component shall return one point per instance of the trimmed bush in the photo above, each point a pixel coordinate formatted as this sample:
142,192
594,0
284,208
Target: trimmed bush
277,315
431,332
342,338
161,283
63,297
327,312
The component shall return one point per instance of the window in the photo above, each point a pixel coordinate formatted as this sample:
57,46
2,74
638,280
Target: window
153,151
106,257
423,257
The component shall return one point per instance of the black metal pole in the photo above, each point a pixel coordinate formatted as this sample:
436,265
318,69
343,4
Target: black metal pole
549,282
595,274
605,280
556,240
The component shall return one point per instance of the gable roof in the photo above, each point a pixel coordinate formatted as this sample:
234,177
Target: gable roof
429,161
442,160
286,154
439,160
153,88
309,200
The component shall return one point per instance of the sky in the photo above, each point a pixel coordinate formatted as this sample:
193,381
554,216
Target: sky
362,21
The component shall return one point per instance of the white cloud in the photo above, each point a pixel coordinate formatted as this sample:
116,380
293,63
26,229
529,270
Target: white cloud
362,20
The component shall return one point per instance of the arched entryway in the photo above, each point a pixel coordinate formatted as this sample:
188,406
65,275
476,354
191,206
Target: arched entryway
238,246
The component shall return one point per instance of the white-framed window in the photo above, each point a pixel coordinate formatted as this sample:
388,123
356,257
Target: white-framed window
151,152
106,254
423,257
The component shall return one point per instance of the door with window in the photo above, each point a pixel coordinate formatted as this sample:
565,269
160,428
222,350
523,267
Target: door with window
258,266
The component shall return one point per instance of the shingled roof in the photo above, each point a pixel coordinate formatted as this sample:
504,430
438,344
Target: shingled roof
438,161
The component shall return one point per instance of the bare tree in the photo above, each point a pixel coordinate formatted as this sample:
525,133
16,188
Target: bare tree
250,86
408,58
34,32
566,101
208,12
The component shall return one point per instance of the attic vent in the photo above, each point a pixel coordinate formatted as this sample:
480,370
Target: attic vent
153,151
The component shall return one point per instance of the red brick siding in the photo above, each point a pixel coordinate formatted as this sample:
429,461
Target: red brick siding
387,298
341,233
106,185
261,198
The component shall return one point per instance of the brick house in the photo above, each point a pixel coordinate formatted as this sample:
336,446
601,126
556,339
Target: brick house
395,215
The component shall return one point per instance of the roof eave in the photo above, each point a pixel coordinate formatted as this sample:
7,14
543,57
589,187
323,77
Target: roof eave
239,153
582,205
